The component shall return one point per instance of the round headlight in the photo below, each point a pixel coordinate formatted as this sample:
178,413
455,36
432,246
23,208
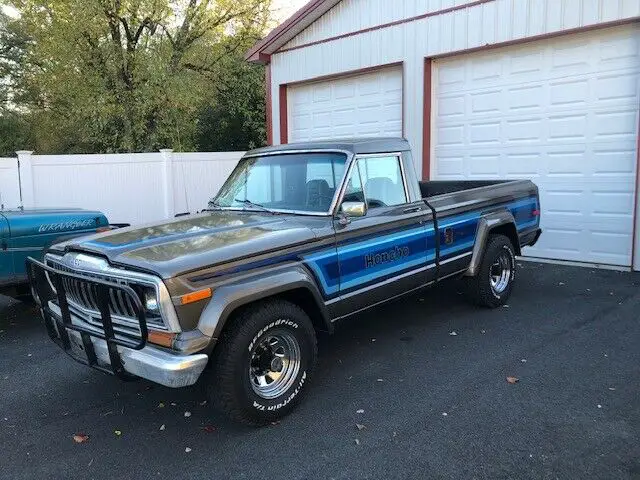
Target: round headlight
151,301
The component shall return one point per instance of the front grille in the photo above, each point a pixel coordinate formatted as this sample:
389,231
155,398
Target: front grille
82,299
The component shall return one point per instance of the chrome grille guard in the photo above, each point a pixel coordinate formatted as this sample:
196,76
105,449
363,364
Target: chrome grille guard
58,317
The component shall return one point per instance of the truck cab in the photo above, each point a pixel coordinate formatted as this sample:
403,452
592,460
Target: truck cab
27,233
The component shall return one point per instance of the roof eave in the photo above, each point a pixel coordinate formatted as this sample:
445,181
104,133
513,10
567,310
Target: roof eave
309,13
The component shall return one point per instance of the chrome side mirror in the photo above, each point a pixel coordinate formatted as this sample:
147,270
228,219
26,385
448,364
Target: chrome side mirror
354,209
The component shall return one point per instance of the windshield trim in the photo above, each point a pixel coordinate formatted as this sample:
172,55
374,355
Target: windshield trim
334,201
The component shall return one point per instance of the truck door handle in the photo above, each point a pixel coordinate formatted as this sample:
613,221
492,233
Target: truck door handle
412,210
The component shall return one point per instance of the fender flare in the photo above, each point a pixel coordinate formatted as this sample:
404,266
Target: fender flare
227,298
486,225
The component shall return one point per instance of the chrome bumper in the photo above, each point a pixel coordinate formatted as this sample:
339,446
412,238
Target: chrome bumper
151,363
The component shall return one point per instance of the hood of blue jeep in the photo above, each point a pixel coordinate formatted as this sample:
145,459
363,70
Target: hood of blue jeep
191,243
23,223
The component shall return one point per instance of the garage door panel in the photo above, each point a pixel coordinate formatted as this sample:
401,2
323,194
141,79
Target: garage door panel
569,123
365,105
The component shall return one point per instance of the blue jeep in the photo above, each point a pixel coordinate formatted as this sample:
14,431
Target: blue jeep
27,233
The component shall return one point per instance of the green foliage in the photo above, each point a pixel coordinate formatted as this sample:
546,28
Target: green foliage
134,75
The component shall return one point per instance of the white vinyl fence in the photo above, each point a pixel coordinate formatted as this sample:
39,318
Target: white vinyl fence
129,188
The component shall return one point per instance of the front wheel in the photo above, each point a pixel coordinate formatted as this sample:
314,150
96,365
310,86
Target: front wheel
263,362
493,284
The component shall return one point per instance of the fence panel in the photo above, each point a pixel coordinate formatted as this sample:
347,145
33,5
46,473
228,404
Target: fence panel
9,186
126,187
197,177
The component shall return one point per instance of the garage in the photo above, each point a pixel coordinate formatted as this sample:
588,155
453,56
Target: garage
562,112
547,90
367,104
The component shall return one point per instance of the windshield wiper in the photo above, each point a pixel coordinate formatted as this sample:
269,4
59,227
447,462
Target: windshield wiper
249,203
216,206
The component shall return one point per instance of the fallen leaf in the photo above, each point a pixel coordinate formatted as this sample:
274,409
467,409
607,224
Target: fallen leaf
453,334
444,414
80,437
117,432
187,450
524,360
209,428
359,426
162,427
611,388
360,411
599,406
187,414
357,442
173,404
561,284
512,380
379,380
505,306
161,405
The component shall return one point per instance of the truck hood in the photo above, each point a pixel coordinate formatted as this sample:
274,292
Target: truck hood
24,223
191,243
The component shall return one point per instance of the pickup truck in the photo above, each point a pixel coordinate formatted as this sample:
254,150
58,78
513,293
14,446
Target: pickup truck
25,233
298,237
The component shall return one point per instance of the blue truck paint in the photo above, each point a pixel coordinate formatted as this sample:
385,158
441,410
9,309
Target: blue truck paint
25,233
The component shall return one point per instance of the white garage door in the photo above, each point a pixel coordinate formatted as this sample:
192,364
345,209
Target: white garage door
562,112
363,105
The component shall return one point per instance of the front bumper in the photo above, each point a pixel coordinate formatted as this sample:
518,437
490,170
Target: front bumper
108,348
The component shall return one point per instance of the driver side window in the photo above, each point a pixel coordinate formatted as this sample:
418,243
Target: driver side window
383,183
382,179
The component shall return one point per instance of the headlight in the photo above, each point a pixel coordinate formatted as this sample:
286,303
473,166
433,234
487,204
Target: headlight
151,303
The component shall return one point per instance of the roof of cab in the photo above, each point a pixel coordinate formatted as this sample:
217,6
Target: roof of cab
352,145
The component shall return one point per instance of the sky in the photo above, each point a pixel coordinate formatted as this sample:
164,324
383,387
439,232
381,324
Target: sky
283,9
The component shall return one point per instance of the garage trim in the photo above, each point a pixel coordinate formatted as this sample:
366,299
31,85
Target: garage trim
283,111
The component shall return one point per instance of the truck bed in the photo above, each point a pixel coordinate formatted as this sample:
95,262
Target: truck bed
442,187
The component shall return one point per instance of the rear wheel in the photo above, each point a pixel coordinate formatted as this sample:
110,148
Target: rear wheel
493,284
263,362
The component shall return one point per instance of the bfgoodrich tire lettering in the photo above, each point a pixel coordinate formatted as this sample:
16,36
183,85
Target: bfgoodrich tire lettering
493,284
272,335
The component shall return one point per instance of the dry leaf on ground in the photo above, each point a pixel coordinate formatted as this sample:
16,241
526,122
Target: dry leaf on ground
512,380
80,438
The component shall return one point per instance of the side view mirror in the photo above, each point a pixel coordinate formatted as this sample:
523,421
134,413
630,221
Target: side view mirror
354,209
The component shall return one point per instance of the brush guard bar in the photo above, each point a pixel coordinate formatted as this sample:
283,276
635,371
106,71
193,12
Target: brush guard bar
58,324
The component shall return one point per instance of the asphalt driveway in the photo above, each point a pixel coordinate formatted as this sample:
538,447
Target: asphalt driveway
428,374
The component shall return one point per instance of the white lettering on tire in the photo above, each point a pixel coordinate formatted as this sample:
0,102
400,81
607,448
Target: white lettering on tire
276,323
284,403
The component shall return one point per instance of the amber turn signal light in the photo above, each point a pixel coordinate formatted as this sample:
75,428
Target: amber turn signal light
164,339
195,296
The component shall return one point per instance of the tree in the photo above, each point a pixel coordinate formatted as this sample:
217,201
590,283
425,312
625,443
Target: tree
131,75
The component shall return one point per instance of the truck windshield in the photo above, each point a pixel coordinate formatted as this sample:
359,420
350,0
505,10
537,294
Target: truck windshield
296,182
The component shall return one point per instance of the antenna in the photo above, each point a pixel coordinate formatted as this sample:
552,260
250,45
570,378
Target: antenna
20,184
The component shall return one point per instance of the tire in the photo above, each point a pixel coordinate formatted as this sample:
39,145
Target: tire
487,288
250,347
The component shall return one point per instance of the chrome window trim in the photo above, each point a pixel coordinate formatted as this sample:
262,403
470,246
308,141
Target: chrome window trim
332,207
167,310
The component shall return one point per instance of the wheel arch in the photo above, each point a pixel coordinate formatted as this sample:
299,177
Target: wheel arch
295,285
501,223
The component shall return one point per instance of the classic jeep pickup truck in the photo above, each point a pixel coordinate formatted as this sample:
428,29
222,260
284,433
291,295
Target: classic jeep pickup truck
298,237
25,233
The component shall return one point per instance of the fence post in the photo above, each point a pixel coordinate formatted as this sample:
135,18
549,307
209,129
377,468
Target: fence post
167,181
25,178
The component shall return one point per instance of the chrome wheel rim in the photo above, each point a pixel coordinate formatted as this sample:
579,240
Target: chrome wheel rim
500,273
274,365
